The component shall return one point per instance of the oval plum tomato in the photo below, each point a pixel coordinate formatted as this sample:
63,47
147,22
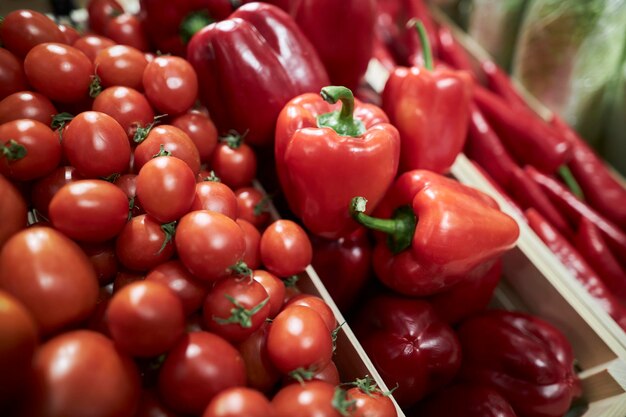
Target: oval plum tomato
89,210
70,34
196,369
125,29
102,257
274,287
13,210
23,29
12,77
18,339
121,65
237,402
253,206
61,72
252,257
371,403
299,340
128,184
214,196
175,276
173,140
50,275
96,379
235,307
145,318
201,130
329,374
166,188
100,12
171,84
143,244
260,372
309,399
92,45
234,162
209,244
285,248
28,149
128,107
27,105
46,187
96,145
317,304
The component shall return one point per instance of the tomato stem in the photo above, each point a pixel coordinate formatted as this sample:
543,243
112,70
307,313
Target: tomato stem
59,121
291,282
233,139
343,403
239,314
241,269
212,177
142,131
95,87
263,206
303,374
13,151
170,230
162,152
334,335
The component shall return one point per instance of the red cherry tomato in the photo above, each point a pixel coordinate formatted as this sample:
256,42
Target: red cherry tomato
27,105
121,65
189,290
92,45
285,248
80,373
70,34
252,257
234,164
253,206
310,399
28,149
261,373
12,77
329,374
142,245
317,304
100,12
70,69
197,368
215,196
202,131
209,243
237,402
46,187
128,107
23,29
13,211
96,145
371,404
50,275
102,257
125,29
171,84
174,141
128,184
166,188
274,287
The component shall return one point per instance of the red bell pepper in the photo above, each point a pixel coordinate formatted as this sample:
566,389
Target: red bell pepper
430,108
466,400
439,230
250,65
325,156
527,360
409,345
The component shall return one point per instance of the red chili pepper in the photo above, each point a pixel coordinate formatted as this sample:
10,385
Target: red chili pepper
467,400
500,83
325,156
577,266
527,360
452,53
430,108
439,230
250,65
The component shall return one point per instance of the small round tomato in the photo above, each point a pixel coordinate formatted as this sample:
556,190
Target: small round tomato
371,404
215,196
70,34
234,162
329,374
189,290
50,275
27,105
125,29
253,206
102,257
12,77
143,244
80,373
252,258
92,45
317,304
173,140
96,145
285,248
260,372
237,402
309,399
128,184
299,338
209,243
70,69
121,65
171,84
46,187
145,318
100,12
28,149
197,368
166,188
13,211
128,107
22,29
202,131
274,287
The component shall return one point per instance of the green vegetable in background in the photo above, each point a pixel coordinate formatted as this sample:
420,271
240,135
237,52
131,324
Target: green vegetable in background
613,146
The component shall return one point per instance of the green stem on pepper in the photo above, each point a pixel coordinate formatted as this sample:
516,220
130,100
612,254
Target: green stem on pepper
192,23
571,182
426,49
343,121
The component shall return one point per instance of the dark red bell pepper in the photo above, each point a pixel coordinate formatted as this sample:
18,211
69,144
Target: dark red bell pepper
439,230
250,65
325,155
467,400
409,345
527,360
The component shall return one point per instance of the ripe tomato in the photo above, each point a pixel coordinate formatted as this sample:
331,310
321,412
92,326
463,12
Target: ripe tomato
309,399
235,163
22,29
27,105
174,141
70,69
237,402
317,304
50,275
329,374
100,12
166,188
198,367
274,287
125,29
12,77
28,149
46,187
261,373
13,210
89,210
252,257
102,257
121,65
202,131
124,278
189,290
299,338
70,34
142,244
253,206
209,243
128,107
128,184
171,84
92,45
371,404
285,248
96,145
152,406
80,373
215,196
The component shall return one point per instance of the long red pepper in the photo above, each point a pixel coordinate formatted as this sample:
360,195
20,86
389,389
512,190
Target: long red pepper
452,53
500,83
577,266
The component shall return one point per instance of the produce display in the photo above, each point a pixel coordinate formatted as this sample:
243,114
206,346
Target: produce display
144,269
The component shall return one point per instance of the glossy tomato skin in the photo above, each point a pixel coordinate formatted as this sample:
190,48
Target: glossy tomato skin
89,210
46,187
128,184
285,248
70,69
236,167
121,65
97,380
43,150
12,77
13,210
127,106
102,257
27,105
23,29
237,402
274,287
202,131
101,11
261,374
139,246
92,45
170,84
198,367
316,303
310,399
173,140
50,275
175,276
252,257
209,243
252,206
215,196
125,29
373,404
70,34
